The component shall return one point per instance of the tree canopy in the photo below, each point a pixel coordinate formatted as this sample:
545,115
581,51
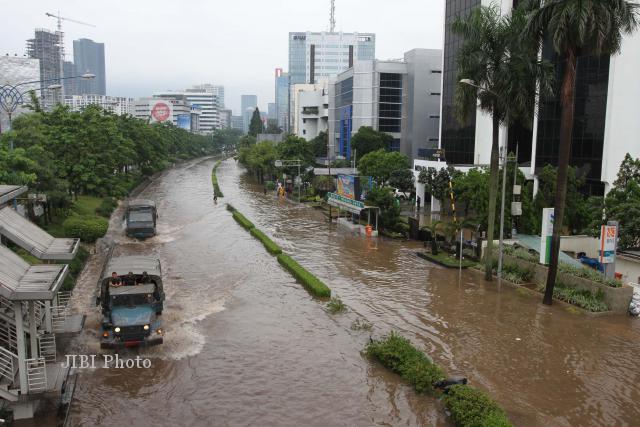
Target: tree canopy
255,126
381,164
366,140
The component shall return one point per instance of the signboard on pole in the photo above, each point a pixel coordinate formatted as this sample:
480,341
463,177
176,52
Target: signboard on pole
350,205
608,236
545,235
347,186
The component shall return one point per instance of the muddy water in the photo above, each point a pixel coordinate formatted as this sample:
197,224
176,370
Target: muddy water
247,345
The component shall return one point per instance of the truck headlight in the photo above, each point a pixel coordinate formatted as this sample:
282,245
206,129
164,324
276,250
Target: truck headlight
116,329
105,334
145,327
159,331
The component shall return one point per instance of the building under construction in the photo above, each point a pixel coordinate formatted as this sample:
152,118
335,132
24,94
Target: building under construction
47,47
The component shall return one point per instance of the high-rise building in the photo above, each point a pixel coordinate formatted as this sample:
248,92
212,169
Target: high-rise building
15,70
315,56
282,99
88,57
225,119
71,86
310,109
46,47
237,123
248,104
202,97
399,98
174,110
217,90
115,104
271,111
605,127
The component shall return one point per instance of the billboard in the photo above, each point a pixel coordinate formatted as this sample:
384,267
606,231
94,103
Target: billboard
607,252
183,121
161,111
347,186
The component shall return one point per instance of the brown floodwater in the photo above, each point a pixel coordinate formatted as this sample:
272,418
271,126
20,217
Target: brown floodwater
247,345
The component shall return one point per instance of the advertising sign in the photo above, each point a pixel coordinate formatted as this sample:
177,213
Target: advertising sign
347,186
160,111
607,252
545,235
184,121
350,205
431,153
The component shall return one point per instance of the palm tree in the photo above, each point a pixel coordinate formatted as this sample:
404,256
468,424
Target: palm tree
576,27
502,72
433,229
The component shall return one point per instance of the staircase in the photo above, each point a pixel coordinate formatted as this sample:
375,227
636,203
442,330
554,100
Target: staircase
8,371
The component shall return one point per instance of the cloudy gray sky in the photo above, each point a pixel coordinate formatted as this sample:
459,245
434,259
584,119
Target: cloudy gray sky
154,45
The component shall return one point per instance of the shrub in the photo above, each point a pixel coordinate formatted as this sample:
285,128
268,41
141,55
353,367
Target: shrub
335,306
77,264
107,206
308,280
473,408
589,274
86,228
520,253
398,354
269,244
580,297
242,220
363,325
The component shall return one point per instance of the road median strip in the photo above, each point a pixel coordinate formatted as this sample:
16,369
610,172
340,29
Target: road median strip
466,405
214,180
314,285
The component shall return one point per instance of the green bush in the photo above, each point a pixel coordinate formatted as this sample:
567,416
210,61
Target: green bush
77,264
521,253
308,280
336,306
398,354
589,274
107,206
579,297
470,407
242,220
86,228
269,244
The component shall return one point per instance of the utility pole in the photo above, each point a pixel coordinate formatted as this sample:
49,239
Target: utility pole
332,18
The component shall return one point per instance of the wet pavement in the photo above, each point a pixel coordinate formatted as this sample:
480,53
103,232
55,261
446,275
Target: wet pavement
247,345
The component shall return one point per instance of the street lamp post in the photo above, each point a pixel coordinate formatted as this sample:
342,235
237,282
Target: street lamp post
11,96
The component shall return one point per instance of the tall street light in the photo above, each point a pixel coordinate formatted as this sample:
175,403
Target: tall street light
11,95
470,82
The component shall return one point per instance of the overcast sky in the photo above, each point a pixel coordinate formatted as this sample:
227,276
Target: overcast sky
161,44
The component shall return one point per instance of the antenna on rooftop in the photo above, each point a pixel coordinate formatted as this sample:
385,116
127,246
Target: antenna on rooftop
332,19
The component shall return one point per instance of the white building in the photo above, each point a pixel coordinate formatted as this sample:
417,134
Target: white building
311,109
115,104
15,70
398,97
202,96
160,110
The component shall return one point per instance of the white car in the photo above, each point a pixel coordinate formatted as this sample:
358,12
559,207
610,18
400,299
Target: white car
402,195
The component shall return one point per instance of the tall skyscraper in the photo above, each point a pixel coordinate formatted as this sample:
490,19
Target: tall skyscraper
282,99
88,57
315,56
248,104
271,111
605,120
217,90
202,98
71,86
45,46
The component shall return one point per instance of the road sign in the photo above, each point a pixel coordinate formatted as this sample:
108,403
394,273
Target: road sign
278,163
545,238
607,252
431,153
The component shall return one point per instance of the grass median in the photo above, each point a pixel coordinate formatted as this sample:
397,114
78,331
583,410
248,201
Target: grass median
468,406
214,181
269,244
308,280
242,220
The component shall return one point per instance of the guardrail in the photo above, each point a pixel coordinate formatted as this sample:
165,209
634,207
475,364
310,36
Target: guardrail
7,367
8,336
36,375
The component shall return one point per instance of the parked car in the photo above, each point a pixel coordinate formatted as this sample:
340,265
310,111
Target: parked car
402,195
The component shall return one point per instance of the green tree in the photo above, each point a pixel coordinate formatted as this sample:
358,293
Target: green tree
436,183
506,69
255,126
296,148
384,199
381,164
367,140
623,203
629,171
320,144
272,127
402,179
576,27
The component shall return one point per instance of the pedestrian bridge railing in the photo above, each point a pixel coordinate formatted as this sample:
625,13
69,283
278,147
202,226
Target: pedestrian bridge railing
7,365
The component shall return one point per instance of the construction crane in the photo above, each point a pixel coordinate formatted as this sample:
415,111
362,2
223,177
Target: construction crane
61,39
332,18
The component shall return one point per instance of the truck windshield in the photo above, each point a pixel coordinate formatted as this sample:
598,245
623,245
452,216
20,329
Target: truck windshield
131,300
141,216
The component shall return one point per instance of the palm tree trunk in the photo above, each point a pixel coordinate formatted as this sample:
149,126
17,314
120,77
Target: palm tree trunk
564,153
493,196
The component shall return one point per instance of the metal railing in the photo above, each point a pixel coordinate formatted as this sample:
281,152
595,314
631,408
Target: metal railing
47,347
36,375
7,367
8,336
58,318
64,297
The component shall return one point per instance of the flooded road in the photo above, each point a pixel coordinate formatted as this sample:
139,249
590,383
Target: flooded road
246,345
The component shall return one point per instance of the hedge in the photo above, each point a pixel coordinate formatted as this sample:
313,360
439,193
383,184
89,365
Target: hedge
469,407
269,244
86,228
308,280
107,206
242,220
214,181
398,354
